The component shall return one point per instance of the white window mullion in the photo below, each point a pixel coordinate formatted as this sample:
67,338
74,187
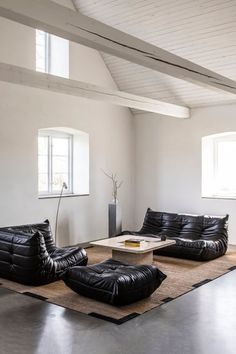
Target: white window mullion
48,53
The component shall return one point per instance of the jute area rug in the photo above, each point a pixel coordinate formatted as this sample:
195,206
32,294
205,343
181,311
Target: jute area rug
182,277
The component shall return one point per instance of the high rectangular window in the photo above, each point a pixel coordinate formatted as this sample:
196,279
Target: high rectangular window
52,54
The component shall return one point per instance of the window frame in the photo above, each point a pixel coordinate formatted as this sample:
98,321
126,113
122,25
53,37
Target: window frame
51,134
210,188
47,48
47,51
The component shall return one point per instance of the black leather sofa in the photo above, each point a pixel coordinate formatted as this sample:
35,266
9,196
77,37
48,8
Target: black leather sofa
197,237
28,255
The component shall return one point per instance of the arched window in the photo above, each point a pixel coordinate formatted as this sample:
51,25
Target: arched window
63,157
219,165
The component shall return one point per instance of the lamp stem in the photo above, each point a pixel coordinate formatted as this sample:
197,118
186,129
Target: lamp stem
58,208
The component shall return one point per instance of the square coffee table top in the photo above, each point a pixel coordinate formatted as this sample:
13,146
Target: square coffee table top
117,243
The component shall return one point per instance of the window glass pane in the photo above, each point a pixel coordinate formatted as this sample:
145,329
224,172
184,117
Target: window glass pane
40,51
58,180
43,182
226,166
60,146
60,164
43,164
59,56
43,145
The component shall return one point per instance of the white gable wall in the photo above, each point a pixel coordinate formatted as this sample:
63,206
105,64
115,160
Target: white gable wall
166,166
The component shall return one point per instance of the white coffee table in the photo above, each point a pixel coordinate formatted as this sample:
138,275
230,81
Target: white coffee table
133,255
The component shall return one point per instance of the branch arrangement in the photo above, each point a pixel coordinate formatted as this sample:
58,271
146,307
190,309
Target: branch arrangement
115,184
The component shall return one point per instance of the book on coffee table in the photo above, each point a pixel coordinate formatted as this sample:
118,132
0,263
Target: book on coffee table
134,242
139,254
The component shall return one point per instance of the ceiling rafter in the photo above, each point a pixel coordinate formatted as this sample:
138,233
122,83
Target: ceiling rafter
61,21
26,77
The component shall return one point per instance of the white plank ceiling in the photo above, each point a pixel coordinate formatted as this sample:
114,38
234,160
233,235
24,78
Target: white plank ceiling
203,31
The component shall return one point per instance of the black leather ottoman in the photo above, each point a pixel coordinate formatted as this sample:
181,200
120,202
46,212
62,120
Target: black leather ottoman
114,282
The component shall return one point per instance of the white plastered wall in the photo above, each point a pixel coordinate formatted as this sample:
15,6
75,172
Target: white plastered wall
25,110
168,163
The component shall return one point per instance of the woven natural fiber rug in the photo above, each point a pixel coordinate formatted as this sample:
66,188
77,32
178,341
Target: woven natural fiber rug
182,276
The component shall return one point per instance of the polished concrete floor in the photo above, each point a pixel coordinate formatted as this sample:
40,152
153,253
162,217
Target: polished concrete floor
200,322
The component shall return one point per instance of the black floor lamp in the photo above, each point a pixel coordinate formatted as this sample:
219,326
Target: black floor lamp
64,186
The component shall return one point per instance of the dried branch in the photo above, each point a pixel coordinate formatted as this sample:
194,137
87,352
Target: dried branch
115,183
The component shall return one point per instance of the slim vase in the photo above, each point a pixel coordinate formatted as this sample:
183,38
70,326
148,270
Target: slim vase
114,219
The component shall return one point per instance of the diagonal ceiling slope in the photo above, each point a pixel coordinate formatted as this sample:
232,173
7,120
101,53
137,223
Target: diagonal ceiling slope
202,31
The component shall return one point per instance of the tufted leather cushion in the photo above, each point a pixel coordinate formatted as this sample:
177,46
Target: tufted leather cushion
197,237
114,282
43,227
28,255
